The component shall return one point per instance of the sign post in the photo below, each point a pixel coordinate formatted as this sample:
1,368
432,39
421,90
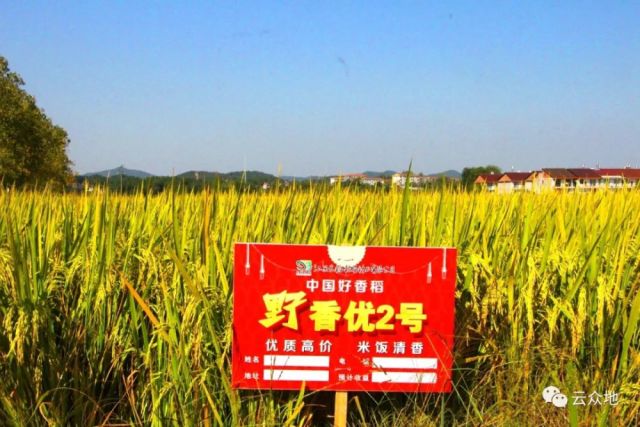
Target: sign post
343,319
340,410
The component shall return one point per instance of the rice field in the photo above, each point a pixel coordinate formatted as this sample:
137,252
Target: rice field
116,309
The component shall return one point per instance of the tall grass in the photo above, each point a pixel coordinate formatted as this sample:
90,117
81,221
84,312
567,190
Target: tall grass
116,309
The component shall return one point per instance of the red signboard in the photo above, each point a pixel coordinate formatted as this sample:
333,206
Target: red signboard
343,318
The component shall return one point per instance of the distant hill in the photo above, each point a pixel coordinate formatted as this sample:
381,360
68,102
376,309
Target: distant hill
448,174
120,171
203,175
253,176
250,176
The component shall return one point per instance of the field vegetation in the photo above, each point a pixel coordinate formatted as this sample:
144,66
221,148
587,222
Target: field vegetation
116,309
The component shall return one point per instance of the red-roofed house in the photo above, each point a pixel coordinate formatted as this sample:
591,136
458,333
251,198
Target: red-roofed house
488,180
539,181
561,178
620,177
512,181
586,179
632,176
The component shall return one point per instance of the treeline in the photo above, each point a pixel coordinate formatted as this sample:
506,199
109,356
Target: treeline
248,182
158,184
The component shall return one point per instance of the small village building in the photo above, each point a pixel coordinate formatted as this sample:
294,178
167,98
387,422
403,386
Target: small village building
426,179
613,177
631,177
539,181
372,181
349,177
400,179
561,178
620,177
488,181
512,181
586,179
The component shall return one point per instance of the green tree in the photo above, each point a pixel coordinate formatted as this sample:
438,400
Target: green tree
470,174
32,148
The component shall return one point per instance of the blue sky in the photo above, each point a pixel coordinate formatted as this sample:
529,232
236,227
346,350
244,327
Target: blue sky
313,87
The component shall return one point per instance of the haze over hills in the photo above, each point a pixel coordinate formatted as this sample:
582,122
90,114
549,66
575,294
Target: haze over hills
134,173
451,173
252,175
121,171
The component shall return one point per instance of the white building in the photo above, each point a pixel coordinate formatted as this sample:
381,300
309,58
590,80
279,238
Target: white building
348,177
400,179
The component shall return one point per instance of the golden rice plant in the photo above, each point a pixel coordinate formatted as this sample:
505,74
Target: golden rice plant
116,309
